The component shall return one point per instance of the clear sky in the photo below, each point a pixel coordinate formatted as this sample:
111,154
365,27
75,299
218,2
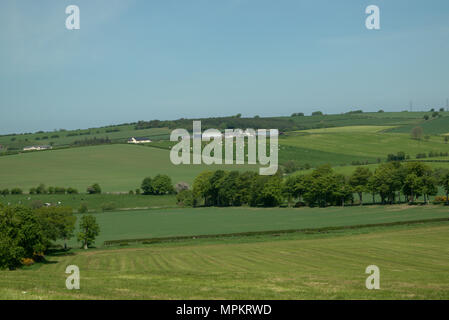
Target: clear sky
167,59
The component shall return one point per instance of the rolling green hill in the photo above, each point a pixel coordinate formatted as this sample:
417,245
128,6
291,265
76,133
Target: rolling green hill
117,167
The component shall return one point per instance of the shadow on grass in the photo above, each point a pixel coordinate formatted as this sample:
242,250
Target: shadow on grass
59,252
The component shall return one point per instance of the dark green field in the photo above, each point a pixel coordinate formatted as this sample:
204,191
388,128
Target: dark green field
204,221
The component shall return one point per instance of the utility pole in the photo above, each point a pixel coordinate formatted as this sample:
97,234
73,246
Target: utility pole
411,106
447,104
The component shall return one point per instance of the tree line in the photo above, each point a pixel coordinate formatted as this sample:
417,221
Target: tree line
392,182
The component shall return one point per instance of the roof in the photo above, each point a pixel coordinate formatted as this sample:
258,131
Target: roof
139,139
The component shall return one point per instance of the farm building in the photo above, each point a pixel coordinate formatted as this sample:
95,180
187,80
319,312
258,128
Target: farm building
138,140
32,148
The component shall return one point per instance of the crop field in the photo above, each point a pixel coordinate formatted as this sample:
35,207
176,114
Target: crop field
117,168
204,221
413,264
341,144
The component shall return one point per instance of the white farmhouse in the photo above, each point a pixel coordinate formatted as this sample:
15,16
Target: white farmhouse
138,140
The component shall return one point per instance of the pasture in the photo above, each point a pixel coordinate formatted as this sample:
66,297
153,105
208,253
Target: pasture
117,168
94,202
204,221
412,260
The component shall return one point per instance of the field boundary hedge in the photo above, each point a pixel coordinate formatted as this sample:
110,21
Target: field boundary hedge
268,232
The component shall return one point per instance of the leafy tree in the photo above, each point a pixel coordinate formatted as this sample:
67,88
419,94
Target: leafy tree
147,186
16,191
185,198
94,189
71,190
57,223
359,181
41,189
243,187
89,230
162,184
21,236
266,191
202,186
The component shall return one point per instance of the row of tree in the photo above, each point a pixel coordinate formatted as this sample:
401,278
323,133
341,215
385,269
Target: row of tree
27,234
323,187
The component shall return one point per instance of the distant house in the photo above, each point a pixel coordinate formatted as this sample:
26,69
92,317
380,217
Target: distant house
138,140
32,148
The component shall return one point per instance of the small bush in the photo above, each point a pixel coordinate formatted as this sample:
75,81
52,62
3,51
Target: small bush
27,261
108,206
440,199
5,192
83,208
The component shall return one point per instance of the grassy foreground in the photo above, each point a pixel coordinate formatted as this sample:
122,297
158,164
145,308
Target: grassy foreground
412,260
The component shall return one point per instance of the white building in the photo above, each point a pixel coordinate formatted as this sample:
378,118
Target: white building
33,148
138,140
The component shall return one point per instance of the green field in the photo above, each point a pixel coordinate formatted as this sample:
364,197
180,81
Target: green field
63,138
412,261
344,145
94,202
413,258
205,221
117,168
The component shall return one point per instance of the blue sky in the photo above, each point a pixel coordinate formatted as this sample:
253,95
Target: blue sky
143,59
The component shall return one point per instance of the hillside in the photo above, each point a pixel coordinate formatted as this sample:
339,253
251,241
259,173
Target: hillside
117,167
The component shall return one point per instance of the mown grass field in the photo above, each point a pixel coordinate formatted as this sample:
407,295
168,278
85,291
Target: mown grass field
413,263
204,221
117,168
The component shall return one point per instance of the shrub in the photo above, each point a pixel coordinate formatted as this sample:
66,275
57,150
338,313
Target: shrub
27,261
83,208
440,199
5,192
137,191
108,206
131,192
32,191
16,191
51,190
